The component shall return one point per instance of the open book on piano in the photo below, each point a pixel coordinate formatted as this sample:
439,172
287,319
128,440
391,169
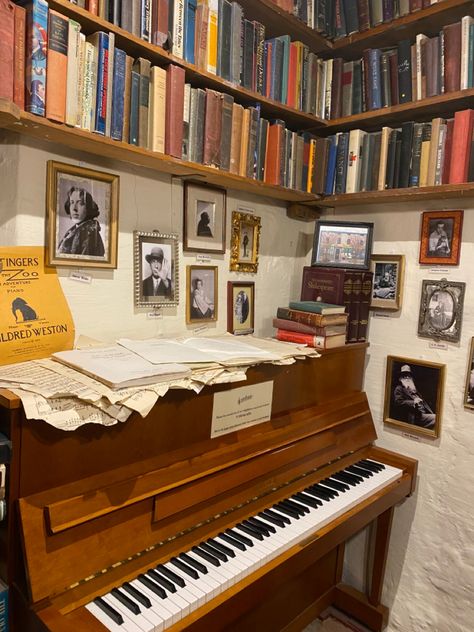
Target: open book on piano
152,525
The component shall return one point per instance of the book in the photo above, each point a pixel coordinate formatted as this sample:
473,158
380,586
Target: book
36,53
73,71
56,80
317,307
291,325
157,112
319,342
174,110
7,30
19,60
309,318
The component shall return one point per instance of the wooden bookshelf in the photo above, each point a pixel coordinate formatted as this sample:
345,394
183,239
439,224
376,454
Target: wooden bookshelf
11,117
137,47
428,21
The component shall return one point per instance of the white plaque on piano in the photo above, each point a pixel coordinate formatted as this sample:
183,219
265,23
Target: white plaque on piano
241,408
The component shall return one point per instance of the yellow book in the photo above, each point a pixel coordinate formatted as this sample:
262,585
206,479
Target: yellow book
212,37
424,162
157,110
312,149
245,142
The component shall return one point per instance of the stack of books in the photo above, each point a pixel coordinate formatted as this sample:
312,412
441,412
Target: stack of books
316,324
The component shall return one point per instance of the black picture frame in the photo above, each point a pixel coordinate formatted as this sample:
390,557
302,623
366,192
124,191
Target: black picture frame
342,244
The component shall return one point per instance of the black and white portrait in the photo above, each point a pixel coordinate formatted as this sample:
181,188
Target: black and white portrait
246,242
441,309
205,212
440,237
156,265
387,287
385,281
201,293
240,307
204,218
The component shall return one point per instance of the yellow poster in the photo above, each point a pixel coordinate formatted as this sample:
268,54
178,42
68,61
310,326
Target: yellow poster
35,319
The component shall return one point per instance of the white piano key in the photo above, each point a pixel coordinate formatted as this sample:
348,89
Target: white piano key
103,618
131,622
197,591
168,612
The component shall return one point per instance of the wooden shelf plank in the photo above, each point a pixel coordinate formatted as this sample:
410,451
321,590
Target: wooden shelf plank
412,194
423,110
428,21
137,47
38,127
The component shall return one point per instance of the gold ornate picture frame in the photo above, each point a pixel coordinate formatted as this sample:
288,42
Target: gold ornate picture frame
244,242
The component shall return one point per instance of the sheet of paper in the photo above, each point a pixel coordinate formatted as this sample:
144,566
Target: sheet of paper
161,351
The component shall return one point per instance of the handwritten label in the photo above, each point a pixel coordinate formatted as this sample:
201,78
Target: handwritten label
154,315
380,315
439,271
410,436
203,258
242,209
241,408
81,277
438,345
201,329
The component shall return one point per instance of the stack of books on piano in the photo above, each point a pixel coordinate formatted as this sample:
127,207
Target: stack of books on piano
312,323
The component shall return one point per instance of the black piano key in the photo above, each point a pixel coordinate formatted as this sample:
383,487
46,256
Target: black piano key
206,555
353,469
249,531
339,485
205,546
371,465
264,525
109,611
176,579
238,536
125,600
151,585
193,562
340,476
162,581
358,478
233,541
226,550
330,492
136,594
317,493
298,508
261,529
308,500
184,567
285,519
289,512
271,518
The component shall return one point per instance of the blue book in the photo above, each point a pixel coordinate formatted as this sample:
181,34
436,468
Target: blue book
118,94
190,7
317,307
36,52
134,105
375,79
101,86
331,168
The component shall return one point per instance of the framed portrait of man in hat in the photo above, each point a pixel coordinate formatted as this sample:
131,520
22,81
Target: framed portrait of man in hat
156,269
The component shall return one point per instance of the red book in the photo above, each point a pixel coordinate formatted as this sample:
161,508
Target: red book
174,111
19,58
273,154
7,29
319,342
461,146
56,78
416,5
212,128
447,151
93,6
292,325
159,21
452,57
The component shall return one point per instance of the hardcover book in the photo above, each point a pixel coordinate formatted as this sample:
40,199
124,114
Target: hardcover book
36,53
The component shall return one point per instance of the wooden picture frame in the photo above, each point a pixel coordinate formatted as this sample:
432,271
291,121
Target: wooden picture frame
82,216
469,389
156,278
387,289
414,395
240,307
441,309
201,294
342,244
245,242
204,218
440,242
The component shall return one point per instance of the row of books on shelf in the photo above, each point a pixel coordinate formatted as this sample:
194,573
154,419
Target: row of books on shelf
414,155
340,18
384,77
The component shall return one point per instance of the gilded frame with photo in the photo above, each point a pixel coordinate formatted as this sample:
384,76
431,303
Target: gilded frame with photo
82,216
469,389
387,290
342,244
156,266
414,395
244,242
441,309
240,307
204,218
201,294
440,242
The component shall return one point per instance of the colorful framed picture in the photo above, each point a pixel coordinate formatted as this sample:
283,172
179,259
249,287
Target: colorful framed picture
342,244
82,216
440,242
469,390
156,269
204,218
240,307
414,395
441,309
201,294
245,242
387,290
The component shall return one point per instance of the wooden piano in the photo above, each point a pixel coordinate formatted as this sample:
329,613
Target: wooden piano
96,509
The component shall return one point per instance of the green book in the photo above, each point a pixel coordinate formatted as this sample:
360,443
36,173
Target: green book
317,307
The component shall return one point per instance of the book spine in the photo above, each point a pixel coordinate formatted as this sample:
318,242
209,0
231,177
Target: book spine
236,38
294,336
36,54
73,70
236,138
190,30
110,82
127,99
186,120
7,46
116,124
353,289
212,37
19,60
291,325
134,107
212,128
56,81
100,116
174,110
463,124
364,305
145,20
226,131
90,74
452,57
159,21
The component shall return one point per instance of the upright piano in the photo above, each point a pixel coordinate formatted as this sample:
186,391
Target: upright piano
152,525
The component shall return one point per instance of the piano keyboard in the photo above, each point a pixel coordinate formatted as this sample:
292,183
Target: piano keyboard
163,595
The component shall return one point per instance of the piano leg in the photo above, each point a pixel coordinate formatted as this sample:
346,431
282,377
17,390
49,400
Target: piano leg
381,539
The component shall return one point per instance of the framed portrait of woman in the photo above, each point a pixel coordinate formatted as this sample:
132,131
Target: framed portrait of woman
201,294
204,218
82,216
240,307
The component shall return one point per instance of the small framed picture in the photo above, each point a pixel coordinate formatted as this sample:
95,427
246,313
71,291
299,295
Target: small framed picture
414,395
469,391
240,307
204,218
82,223
342,244
441,237
387,290
156,269
441,309
245,242
201,294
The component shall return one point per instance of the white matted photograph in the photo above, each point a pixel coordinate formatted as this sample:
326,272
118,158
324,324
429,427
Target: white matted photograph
204,218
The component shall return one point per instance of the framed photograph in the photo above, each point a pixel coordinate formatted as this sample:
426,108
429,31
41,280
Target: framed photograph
387,290
245,242
414,395
469,391
82,222
342,244
441,237
204,218
201,294
240,307
441,309
156,269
